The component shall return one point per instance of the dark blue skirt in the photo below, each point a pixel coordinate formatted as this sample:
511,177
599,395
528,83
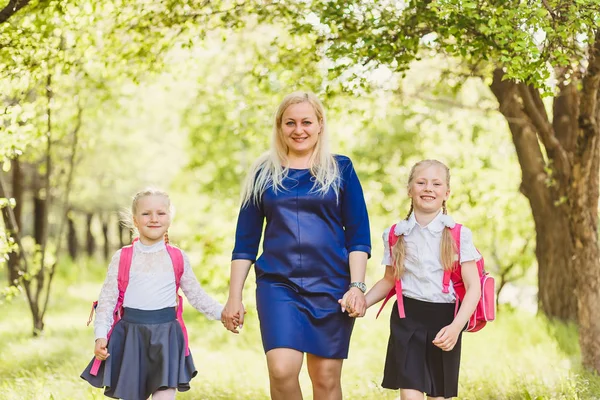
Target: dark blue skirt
412,360
147,353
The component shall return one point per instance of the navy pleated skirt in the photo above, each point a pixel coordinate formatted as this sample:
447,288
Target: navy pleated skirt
147,353
412,360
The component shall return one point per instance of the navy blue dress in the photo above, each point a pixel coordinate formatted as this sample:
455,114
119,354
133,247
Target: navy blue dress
304,269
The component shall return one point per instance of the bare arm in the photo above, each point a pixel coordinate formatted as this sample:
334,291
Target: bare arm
382,287
358,265
354,299
233,313
470,277
447,337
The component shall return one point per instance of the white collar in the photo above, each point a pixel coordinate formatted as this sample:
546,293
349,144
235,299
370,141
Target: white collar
436,225
153,248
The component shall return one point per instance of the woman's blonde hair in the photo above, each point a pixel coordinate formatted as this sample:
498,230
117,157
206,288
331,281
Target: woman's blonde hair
448,251
271,168
127,215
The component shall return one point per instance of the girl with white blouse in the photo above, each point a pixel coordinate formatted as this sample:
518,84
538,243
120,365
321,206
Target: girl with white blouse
147,353
423,354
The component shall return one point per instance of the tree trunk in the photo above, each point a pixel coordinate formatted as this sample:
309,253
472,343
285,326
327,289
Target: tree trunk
563,191
39,211
38,323
72,244
583,201
106,244
90,241
12,262
556,281
587,269
40,225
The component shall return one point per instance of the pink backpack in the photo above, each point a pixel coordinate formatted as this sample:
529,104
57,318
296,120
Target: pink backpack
123,280
486,307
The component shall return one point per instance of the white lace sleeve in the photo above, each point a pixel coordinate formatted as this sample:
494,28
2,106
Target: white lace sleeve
197,297
109,294
387,258
468,252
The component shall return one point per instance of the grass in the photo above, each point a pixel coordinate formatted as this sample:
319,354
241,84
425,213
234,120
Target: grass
519,356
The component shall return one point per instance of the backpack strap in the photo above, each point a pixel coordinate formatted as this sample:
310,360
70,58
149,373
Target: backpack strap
178,267
123,281
397,289
124,268
177,259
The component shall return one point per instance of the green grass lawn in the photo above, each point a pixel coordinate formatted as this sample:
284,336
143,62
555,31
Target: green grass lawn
519,356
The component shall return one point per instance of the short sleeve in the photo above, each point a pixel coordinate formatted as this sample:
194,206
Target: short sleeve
248,232
355,217
468,252
387,257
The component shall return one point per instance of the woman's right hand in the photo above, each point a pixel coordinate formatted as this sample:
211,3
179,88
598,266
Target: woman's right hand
232,316
100,349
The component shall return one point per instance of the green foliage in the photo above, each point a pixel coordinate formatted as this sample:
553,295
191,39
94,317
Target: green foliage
527,38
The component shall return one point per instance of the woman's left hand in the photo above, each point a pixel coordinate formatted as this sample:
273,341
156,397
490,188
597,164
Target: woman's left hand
447,337
354,302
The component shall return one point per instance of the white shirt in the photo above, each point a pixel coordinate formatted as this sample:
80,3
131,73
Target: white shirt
151,286
423,276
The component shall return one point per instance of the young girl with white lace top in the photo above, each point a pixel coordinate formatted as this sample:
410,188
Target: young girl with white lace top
147,354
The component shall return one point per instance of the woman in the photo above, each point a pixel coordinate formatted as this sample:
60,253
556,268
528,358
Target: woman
315,249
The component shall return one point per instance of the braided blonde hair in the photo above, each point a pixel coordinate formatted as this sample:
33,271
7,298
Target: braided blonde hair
448,251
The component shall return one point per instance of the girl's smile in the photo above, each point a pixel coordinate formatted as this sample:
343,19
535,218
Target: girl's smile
429,189
152,219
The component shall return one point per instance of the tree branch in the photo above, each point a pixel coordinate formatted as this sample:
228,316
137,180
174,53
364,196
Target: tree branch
591,82
547,7
11,8
527,145
534,108
565,110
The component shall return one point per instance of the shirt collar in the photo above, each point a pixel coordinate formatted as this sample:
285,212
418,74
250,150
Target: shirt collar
153,248
436,225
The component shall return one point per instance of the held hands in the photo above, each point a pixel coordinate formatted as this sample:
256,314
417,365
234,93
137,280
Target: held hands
354,302
447,337
232,316
100,350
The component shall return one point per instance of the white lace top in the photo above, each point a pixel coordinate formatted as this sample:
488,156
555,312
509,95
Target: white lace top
151,286
423,276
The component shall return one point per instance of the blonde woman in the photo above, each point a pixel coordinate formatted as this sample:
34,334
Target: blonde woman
315,249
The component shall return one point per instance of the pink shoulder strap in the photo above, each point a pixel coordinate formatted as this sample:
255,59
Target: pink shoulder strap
124,267
123,281
177,259
178,267
397,289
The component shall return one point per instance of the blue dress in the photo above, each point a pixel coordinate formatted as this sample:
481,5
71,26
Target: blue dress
304,269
